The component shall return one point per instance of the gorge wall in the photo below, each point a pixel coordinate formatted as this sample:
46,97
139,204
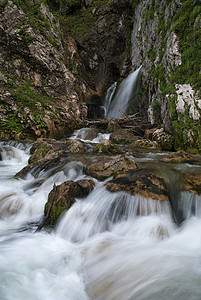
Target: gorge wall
57,58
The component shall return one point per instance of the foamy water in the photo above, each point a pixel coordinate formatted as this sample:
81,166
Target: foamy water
107,246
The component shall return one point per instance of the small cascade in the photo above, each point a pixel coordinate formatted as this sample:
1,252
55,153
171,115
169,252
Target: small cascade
22,201
108,97
102,209
124,96
90,135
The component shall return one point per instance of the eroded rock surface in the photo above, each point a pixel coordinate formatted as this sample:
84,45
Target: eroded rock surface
63,196
140,182
103,167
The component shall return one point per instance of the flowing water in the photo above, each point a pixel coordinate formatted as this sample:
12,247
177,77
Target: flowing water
108,246
123,97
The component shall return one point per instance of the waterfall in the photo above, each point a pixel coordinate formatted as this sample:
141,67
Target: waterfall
124,96
108,97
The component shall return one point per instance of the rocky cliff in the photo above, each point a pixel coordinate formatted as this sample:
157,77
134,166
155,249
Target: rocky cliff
166,42
39,95
59,57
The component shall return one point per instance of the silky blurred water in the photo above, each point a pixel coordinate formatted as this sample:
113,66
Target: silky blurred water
107,246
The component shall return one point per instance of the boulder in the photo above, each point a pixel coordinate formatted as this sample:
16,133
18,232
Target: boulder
53,166
43,151
75,146
63,196
164,139
123,136
179,157
107,147
140,182
113,126
103,167
144,143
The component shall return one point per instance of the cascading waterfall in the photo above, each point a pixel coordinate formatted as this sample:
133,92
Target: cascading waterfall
124,96
107,246
108,97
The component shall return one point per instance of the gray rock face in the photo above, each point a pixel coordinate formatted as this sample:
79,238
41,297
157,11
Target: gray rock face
158,45
39,92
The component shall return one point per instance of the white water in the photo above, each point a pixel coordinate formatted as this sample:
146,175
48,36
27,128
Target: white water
83,133
123,96
108,97
106,247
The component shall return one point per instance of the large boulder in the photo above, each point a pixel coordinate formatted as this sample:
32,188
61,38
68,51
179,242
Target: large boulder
107,147
103,167
76,146
123,136
140,182
45,156
63,196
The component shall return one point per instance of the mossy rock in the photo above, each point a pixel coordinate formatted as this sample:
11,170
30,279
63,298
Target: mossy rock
179,157
62,197
107,147
140,182
123,136
103,167
43,151
76,146
113,126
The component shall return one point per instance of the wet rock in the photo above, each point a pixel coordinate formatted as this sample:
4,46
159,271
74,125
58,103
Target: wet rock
164,139
107,147
51,166
145,143
123,136
113,126
140,182
103,167
75,146
179,157
192,183
43,151
63,196
91,134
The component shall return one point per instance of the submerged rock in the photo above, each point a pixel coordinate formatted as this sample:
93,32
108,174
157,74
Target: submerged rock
140,182
63,196
103,167
107,147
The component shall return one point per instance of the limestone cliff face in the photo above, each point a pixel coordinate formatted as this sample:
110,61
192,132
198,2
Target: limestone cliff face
51,67
39,96
166,42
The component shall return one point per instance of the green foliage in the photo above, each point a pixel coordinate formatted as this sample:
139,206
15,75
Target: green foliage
157,111
187,27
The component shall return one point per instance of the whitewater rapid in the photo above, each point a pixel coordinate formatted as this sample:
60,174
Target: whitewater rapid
107,246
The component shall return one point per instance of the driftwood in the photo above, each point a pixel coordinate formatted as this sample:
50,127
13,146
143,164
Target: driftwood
136,124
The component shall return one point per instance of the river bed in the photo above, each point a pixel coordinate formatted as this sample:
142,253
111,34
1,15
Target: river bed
95,252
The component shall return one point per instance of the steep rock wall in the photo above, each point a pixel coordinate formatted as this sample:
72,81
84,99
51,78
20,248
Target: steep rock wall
166,42
39,96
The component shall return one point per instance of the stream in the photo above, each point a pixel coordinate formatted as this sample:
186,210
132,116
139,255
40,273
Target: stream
97,252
